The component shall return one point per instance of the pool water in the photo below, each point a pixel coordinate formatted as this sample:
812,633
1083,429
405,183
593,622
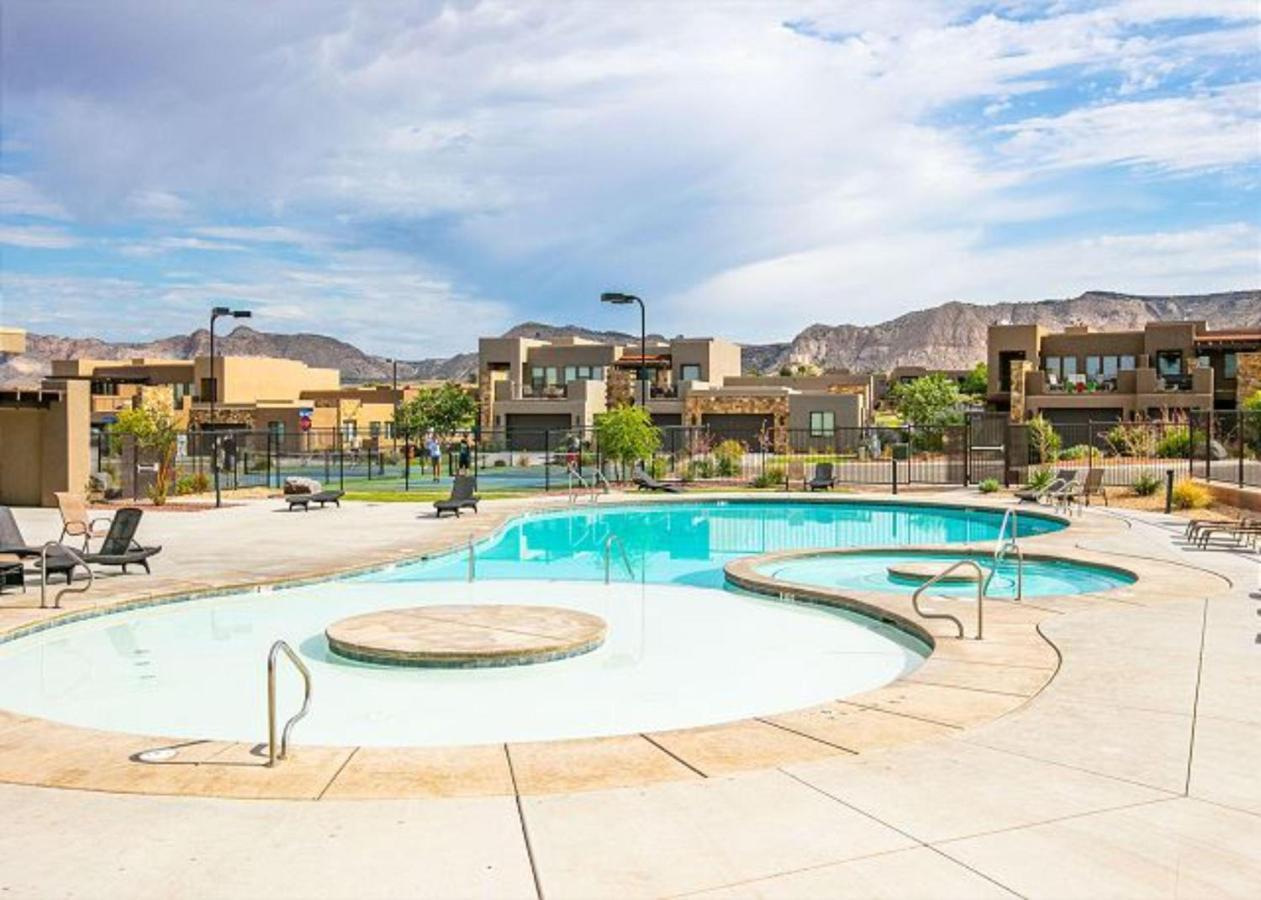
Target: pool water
870,572
681,650
689,543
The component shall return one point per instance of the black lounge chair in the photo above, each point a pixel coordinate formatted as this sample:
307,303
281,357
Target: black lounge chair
823,479
462,497
120,547
320,497
646,482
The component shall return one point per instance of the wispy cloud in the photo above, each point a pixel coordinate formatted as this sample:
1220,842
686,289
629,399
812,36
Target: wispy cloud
37,237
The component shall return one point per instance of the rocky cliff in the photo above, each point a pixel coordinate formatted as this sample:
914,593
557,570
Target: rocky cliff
948,336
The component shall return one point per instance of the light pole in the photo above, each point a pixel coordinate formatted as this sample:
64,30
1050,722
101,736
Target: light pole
619,299
394,424
217,313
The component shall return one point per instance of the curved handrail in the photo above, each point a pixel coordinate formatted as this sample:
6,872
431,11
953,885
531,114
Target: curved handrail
1001,548
472,560
603,483
608,553
272,755
981,582
69,588
572,472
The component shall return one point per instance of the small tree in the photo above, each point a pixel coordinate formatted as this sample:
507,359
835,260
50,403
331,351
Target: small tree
626,434
932,400
1044,440
442,410
976,382
154,428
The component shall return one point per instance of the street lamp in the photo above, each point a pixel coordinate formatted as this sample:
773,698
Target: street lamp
217,313
394,424
619,299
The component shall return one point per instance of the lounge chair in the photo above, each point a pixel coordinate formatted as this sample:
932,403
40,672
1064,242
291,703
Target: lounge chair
320,497
823,479
1037,495
646,482
462,497
1245,531
1064,496
1094,486
76,521
11,540
120,547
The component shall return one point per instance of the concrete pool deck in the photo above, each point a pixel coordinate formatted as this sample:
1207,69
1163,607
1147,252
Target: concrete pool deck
1130,770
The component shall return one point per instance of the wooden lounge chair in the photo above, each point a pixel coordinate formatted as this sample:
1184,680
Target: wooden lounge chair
646,482
120,547
320,497
76,521
462,497
1245,531
823,479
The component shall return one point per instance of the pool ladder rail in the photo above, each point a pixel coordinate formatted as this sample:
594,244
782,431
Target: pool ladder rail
981,582
274,751
1005,544
598,485
608,557
78,563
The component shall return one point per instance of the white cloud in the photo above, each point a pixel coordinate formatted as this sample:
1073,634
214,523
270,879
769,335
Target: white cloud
262,234
39,237
19,197
863,282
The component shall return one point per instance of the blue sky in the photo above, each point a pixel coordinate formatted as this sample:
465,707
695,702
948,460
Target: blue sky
409,175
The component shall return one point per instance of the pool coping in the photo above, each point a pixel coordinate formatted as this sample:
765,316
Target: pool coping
961,685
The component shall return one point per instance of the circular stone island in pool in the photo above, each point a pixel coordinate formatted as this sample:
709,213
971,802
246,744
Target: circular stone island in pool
464,637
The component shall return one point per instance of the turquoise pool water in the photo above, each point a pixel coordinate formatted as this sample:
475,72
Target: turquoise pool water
869,572
688,543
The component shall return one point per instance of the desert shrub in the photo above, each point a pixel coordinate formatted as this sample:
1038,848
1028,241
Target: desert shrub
1131,439
1044,441
1146,484
1077,451
698,468
1175,443
196,483
773,476
1189,494
1040,479
727,456
523,461
988,486
499,464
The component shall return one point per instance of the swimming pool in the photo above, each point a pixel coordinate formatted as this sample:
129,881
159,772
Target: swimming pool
870,572
681,650
689,542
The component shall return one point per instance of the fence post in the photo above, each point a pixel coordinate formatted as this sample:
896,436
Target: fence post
1007,454
1240,421
1208,447
967,450
547,460
1168,491
341,462
895,475
1090,445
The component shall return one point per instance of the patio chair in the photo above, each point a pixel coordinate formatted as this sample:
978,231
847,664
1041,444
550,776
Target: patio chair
1245,531
120,547
1094,486
11,540
320,497
646,482
76,521
462,497
823,479
1063,497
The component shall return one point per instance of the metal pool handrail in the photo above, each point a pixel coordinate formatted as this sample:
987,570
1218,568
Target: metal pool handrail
69,588
272,755
980,596
608,554
472,560
1001,549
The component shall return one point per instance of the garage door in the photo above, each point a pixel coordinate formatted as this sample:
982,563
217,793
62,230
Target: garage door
532,431
741,427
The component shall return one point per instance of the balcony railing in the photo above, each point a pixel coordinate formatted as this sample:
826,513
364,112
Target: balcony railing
544,392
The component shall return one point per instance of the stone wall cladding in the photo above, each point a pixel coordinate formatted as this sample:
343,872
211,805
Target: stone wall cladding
1019,369
1249,377
696,406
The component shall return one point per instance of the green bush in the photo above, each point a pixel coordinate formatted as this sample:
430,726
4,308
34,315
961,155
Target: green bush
988,486
1191,495
657,467
1044,441
1175,443
1132,439
773,476
1040,479
196,483
698,468
727,456
1146,484
1077,451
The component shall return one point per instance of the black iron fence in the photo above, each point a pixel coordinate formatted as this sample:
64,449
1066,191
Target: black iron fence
1216,446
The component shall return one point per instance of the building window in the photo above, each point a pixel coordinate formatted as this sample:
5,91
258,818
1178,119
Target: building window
1127,364
1168,362
1094,365
822,424
374,429
180,391
1051,365
1005,359
1070,367
583,373
1110,364
277,430
690,372
1230,365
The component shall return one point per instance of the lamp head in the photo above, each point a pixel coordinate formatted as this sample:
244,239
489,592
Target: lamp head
220,311
241,314
617,297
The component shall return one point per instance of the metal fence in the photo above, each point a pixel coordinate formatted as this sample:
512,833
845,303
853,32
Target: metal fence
1217,446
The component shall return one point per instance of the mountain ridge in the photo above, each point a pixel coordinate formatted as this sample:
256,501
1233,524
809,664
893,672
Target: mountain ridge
950,335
